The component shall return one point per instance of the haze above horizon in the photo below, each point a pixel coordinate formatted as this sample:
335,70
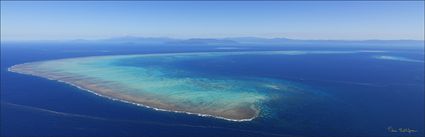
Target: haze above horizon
60,20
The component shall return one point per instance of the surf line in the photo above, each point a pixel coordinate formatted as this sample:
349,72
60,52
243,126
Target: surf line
64,114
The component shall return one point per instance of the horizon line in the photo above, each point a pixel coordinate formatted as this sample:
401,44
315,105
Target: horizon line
189,38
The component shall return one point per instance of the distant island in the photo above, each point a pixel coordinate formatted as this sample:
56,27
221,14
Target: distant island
238,41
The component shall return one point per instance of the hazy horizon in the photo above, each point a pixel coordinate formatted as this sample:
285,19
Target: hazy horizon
346,20
132,38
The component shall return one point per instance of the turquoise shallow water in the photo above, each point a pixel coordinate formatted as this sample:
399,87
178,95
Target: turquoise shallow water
153,81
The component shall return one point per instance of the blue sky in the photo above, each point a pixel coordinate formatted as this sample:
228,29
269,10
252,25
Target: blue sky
299,20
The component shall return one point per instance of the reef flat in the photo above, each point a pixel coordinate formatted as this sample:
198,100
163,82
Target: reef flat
154,81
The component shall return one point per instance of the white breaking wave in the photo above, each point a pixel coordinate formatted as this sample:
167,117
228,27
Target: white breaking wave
64,114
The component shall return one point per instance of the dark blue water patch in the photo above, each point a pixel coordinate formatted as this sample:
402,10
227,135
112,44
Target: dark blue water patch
368,96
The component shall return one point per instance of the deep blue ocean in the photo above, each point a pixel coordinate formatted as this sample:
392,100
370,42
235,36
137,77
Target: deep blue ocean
363,96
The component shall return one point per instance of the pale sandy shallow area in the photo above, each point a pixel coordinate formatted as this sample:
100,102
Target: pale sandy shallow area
243,112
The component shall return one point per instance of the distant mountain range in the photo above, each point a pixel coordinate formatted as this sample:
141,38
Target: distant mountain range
235,41
245,41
